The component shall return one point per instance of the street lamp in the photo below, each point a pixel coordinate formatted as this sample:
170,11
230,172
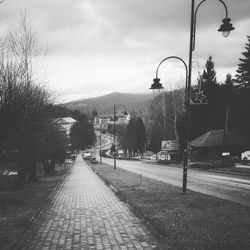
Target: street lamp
114,130
100,151
157,86
225,28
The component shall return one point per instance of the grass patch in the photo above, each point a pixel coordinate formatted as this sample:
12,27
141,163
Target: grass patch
18,206
179,221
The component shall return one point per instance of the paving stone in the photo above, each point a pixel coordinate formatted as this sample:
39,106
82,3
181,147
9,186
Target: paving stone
84,214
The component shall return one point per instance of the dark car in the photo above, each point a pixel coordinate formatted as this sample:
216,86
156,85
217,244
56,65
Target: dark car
93,160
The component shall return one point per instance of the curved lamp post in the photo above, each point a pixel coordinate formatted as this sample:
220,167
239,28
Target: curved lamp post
226,27
114,130
157,86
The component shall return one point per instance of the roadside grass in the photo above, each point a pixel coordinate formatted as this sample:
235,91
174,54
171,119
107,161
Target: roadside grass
18,206
181,221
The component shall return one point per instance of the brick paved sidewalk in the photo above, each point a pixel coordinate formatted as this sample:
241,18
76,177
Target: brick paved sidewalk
84,214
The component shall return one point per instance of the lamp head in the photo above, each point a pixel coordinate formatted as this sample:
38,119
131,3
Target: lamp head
156,86
226,27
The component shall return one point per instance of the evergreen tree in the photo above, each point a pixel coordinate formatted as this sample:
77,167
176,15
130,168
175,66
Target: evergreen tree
134,137
228,92
242,114
243,71
82,133
209,82
210,116
141,135
211,88
209,73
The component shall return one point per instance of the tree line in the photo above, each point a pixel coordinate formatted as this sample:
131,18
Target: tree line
227,106
132,139
28,127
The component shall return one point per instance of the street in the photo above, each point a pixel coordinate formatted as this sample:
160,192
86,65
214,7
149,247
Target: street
226,186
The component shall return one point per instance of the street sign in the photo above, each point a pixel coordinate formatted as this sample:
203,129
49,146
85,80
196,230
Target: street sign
170,145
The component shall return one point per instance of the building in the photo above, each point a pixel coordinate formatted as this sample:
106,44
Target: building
101,120
214,144
64,125
107,122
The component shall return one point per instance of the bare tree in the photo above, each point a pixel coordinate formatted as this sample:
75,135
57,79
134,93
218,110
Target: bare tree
24,46
22,100
165,110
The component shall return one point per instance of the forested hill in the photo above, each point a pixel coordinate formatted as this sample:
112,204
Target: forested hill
104,104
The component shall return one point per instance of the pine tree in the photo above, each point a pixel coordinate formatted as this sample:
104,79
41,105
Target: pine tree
209,116
209,81
209,74
243,71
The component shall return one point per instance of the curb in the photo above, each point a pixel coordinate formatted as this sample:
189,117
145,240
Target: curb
205,170
228,172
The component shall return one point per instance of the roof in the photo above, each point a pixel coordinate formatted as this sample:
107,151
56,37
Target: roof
214,138
65,120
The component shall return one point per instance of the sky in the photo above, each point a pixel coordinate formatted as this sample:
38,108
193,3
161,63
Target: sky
94,47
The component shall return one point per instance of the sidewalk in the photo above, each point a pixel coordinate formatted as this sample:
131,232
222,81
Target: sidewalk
84,214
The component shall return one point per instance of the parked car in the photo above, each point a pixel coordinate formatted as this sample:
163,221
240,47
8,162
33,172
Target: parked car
87,155
153,157
163,156
245,156
93,160
70,155
225,158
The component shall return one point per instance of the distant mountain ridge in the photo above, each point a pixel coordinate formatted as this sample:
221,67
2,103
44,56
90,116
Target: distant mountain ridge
104,104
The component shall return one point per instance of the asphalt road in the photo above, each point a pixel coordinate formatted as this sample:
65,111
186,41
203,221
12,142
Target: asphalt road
235,188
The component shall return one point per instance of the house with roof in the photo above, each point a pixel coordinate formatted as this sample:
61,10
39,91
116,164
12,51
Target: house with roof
64,125
214,143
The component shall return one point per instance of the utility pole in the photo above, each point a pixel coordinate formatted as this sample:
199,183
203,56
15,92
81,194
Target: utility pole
114,138
100,144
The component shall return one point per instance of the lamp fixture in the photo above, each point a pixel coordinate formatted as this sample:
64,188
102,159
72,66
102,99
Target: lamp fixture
226,27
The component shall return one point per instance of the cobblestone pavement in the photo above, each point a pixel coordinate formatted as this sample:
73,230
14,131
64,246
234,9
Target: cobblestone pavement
84,214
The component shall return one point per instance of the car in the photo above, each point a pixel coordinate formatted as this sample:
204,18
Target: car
70,155
87,155
93,161
225,157
153,157
245,156
163,156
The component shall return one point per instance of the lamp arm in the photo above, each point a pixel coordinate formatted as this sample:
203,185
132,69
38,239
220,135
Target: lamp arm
225,8
171,57
194,24
186,68
194,21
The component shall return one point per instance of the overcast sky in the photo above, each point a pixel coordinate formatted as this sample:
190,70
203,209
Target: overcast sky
100,46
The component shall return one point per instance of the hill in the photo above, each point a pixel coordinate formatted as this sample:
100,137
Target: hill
104,104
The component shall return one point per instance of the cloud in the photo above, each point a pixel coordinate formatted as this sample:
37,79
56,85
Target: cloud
115,45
